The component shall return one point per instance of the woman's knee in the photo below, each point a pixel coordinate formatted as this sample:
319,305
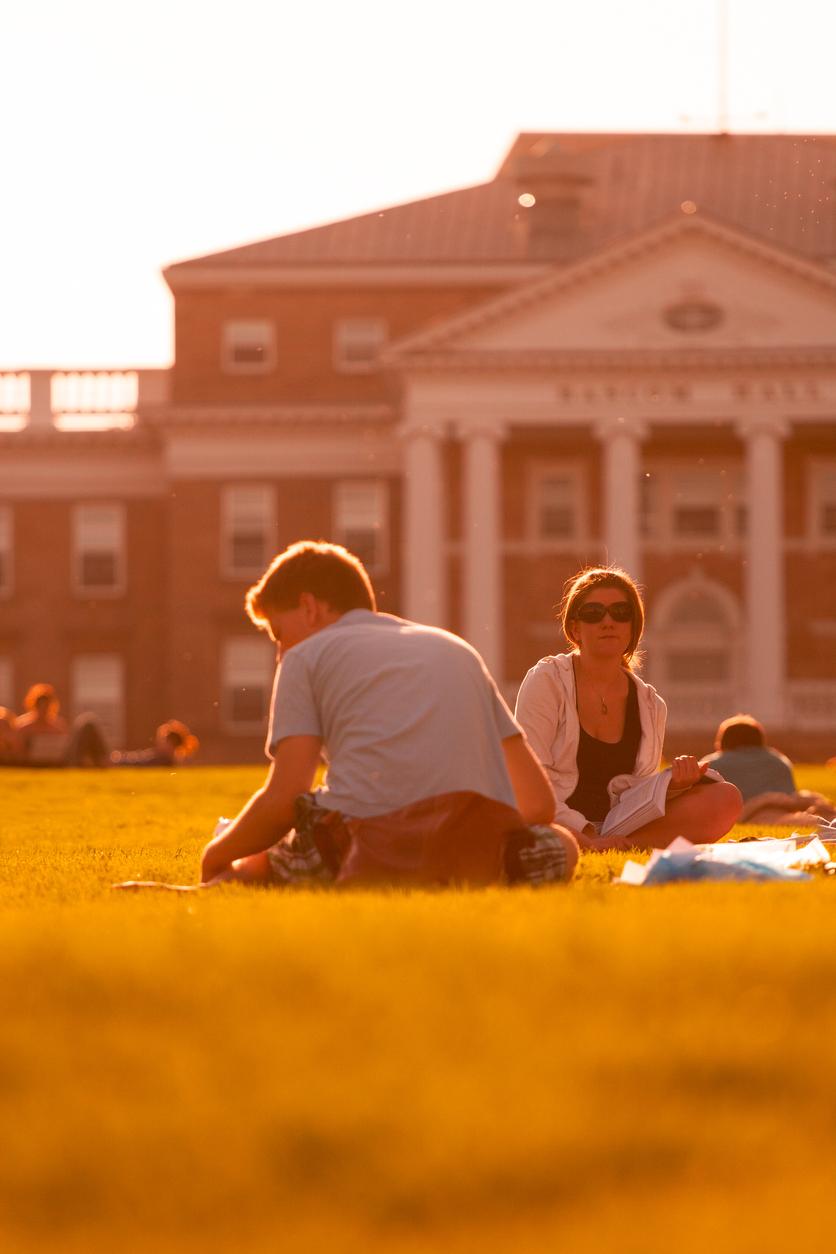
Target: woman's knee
724,804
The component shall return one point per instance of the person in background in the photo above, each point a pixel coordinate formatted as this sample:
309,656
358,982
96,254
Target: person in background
763,776
46,739
9,749
597,728
173,745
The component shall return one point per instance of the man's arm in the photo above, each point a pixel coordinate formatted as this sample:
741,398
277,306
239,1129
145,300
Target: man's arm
268,815
533,792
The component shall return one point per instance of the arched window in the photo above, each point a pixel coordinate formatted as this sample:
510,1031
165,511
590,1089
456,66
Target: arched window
693,655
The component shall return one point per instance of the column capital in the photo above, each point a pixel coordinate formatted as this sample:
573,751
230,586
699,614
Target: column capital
432,429
480,426
762,424
610,428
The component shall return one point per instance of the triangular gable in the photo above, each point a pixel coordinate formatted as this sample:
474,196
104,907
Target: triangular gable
690,283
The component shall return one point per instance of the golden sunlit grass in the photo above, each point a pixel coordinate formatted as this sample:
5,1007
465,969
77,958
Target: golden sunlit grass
587,1069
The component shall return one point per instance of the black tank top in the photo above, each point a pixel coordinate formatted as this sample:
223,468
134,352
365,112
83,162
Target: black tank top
599,761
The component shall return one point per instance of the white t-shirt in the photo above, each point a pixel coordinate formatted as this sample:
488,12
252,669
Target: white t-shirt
405,712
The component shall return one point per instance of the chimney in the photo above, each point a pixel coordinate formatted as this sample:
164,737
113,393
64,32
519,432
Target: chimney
554,191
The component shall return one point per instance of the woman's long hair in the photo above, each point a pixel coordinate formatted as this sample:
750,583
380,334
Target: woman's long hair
576,590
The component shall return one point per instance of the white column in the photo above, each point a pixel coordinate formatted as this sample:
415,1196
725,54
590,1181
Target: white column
621,452
482,521
764,569
425,573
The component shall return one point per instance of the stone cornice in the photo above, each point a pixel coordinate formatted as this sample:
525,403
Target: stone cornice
53,438
209,417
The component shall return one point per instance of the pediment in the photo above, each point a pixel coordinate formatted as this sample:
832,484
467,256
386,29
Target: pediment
690,284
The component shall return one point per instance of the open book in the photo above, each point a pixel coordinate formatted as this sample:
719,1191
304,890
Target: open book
641,804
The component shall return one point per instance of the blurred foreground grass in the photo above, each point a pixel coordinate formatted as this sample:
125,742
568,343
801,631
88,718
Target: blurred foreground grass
592,1068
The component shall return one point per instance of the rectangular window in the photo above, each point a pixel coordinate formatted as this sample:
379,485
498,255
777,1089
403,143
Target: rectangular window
826,498
7,696
248,347
556,507
821,496
6,550
555,513
99,549
361,516
247,664
97,685
248,529
696,521
357,343
704,505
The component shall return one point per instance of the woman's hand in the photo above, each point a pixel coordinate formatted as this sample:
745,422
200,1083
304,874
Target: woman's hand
589,840
685,772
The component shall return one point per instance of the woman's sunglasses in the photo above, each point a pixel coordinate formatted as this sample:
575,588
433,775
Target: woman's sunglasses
594,611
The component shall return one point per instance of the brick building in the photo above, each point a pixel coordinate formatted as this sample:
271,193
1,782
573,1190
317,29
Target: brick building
622,347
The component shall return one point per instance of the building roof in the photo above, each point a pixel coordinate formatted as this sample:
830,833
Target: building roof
777,187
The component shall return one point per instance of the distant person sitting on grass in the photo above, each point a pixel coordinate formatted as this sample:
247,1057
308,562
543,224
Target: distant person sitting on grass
430,780
173,745
8,738
46,739
763,776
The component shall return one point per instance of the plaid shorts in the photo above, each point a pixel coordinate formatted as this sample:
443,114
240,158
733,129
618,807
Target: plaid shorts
537,856
543,862
296,862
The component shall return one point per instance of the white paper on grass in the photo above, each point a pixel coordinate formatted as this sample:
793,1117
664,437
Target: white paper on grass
784,853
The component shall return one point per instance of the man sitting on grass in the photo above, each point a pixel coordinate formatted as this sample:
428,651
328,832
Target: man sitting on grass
430,780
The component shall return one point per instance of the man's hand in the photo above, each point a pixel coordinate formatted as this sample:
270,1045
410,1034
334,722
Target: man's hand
268,815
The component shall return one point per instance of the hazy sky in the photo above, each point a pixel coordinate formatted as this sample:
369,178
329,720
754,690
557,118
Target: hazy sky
133,137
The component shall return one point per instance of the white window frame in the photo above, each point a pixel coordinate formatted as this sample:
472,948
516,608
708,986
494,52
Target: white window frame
352,332
7,686
97,684
350,516
577,473
238,502
82,519
246,661
714,484
821,480
256,333
6,551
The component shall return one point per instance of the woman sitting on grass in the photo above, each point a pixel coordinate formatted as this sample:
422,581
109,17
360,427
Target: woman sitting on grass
44,737
597,728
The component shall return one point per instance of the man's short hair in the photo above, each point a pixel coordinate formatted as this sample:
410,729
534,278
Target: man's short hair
328,571
741,731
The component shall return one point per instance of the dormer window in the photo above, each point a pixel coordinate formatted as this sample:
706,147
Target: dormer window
248,347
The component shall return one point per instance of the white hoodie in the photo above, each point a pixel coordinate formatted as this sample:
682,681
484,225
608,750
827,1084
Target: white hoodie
547,711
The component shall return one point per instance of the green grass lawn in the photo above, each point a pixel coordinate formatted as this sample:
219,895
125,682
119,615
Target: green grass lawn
583,1069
